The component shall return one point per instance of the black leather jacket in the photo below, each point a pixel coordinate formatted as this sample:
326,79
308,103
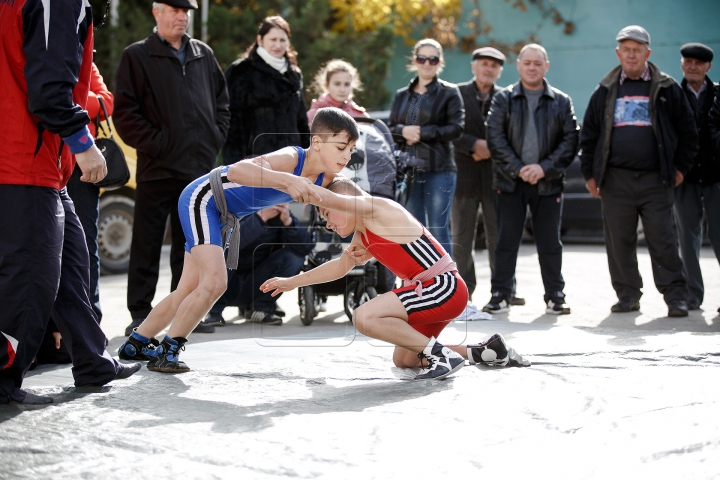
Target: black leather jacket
441,120
557,137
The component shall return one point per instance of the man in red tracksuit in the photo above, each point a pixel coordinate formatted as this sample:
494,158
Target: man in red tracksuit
45,64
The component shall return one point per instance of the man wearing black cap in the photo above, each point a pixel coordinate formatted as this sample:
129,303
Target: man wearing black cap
700,192
474,179
171,105
638,141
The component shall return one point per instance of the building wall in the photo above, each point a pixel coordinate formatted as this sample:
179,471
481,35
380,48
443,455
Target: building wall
578,61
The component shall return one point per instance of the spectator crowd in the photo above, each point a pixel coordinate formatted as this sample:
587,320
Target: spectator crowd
649,149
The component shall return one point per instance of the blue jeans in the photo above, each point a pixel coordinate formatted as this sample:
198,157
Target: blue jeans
690,202
243,288
431,196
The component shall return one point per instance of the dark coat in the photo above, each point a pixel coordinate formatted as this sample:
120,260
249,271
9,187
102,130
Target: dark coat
469,171
259,239
672,121
441,120
267,108
176,116
557,137
706,168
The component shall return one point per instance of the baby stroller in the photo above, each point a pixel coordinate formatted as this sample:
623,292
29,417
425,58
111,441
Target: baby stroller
373,167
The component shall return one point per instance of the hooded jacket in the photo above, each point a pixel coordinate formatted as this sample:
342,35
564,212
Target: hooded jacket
45,65
267,107
557,137
672,122
176,116
325,100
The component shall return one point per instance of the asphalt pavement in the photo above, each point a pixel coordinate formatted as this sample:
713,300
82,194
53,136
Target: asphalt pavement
631,395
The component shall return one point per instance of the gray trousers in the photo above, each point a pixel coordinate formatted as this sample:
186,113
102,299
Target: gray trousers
464,222
627,195
691,201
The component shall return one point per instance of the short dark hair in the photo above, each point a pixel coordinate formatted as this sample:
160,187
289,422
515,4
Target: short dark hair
345,186
330,121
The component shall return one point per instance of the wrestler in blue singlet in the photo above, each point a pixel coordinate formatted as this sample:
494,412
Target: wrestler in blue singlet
199,215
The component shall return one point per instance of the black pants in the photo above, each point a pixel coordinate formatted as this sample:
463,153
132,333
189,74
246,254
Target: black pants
44,271
464,221
154,201
244,287
546,211
627,195
86,198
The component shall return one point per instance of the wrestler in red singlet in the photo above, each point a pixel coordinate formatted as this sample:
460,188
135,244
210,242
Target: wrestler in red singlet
443,298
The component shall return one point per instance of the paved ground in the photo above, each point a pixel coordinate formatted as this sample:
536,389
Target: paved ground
623,395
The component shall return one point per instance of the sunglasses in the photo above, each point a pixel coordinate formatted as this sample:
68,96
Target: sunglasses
421,59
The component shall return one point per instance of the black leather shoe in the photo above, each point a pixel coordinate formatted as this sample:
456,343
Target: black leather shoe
677,308
127,370
626,305
279,312
135,323
29,399
215,319
693,305
203,327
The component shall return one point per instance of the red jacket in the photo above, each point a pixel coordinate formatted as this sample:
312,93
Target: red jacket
98,89
325,100
45,65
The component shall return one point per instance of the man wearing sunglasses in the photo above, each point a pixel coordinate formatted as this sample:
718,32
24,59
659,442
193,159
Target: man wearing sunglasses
532,135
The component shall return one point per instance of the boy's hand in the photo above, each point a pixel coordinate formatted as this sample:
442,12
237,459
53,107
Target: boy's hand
360,255
301,189
277,285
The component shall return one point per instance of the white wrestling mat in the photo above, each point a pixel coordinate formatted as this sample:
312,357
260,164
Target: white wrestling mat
597,403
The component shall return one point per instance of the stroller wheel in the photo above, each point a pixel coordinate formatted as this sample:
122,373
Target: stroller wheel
306,300
356,294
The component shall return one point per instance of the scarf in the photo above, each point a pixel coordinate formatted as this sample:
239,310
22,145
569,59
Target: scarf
279,64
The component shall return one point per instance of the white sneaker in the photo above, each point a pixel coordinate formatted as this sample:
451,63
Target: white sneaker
322,306
441,361
472,313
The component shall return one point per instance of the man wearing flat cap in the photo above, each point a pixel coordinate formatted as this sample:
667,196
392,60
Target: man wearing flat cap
699,194
472,156
171,105
638,142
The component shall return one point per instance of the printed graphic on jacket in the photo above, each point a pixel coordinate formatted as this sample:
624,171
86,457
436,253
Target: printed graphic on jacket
632,112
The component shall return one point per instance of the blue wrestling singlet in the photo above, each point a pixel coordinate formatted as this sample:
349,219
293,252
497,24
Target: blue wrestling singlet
199,215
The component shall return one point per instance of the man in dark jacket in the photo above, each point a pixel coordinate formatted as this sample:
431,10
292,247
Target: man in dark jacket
44,264
532,135
638,141
699,194
273,244
474,180
171,105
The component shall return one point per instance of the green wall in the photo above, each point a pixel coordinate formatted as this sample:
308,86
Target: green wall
578,61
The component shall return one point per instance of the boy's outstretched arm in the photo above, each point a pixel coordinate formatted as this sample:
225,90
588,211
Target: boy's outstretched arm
327,272
355,205
272,172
